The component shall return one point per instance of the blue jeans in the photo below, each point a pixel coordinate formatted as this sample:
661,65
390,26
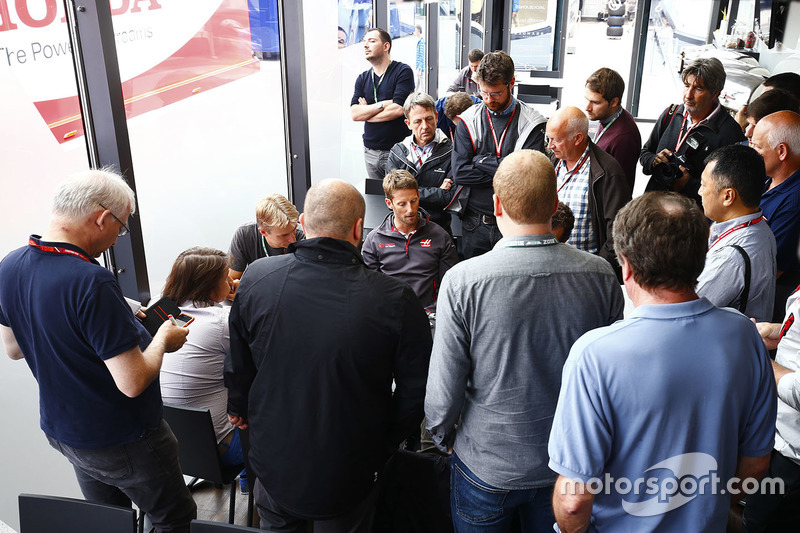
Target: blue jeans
146,472
480,507
477,238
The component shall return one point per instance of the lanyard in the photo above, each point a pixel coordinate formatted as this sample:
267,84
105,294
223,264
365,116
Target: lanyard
419,155
499,146
735,228
682,139
530,243
574,170
600,133
56,250
380,80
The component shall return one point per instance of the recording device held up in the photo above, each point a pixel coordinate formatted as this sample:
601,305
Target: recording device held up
694,146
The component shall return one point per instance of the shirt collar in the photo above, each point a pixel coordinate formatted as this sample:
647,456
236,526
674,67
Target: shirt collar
507,111
672,311
606,120
38,240
527,241
708,118
718,228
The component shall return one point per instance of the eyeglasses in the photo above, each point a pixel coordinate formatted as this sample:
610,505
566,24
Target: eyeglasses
124,230
496,94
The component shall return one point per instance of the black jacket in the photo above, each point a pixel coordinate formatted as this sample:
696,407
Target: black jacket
430,176
720,130
316,340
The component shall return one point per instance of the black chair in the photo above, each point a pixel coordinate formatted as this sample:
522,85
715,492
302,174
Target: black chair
45,514
198,453
538,94
202,526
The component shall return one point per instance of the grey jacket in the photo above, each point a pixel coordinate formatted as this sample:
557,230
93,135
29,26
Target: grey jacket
505,323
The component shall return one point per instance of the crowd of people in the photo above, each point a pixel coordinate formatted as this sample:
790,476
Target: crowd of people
507,358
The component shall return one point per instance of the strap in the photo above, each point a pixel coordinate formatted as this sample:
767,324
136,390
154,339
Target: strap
746,289
664,123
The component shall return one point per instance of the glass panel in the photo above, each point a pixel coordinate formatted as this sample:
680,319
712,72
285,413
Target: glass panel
533,27
407,27
205,117
355,17
477,24
674,26
449,43
42,140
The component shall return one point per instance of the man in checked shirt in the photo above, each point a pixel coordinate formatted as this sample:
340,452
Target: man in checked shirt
589,181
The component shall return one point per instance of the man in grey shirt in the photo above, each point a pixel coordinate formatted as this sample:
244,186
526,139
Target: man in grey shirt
506,321
740,263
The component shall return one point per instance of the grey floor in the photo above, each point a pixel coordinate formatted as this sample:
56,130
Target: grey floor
212,504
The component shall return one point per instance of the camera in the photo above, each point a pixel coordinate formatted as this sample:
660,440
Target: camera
695,143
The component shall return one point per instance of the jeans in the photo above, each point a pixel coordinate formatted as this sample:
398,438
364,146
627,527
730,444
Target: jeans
145,472
775,512
376,163
480,507
277,520
477,238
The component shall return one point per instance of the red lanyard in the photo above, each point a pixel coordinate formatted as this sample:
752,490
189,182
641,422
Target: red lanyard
573,172
55,250
682,139
499,146
418,155
736,227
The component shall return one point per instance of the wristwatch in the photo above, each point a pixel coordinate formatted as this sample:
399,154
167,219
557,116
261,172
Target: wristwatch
380,105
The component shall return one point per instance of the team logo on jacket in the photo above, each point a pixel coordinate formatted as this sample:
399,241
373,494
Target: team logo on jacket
426,243
387,245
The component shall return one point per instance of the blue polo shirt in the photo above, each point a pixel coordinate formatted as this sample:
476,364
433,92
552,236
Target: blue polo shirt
68,316
781,206
672,393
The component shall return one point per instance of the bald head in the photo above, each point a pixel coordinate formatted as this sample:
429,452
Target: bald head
568,130
525,183
332,209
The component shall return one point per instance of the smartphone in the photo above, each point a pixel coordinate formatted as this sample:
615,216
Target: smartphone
158,313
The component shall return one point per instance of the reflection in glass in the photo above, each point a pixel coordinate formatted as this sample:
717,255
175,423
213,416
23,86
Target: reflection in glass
355,18
532,34
449,43
204,118
407,24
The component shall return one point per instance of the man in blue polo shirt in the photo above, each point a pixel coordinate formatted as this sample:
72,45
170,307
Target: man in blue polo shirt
378,100
777,138
658,412
97,367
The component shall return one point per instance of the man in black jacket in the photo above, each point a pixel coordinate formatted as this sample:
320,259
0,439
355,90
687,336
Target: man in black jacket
316,341
426,155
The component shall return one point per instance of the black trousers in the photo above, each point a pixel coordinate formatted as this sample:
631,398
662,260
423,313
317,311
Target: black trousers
775,512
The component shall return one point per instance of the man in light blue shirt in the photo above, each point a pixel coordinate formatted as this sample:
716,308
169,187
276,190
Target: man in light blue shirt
660,411
740,264
505,323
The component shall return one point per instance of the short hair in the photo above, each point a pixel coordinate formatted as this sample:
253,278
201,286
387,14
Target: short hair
332,208
457,103
476,54
608,83
419,99
564,219
397,180
572,120
739,167
385,37
418,28
495,68
663,236
709,70
771,102
787,81
525,183
85,192
195,274
275,211
784,128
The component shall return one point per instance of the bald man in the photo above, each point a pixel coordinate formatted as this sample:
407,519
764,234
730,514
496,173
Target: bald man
317,339
777,138
589,181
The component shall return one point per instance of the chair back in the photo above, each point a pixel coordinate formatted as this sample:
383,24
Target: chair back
197,444
45,514
202,526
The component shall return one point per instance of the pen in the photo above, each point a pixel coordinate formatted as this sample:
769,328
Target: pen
172,319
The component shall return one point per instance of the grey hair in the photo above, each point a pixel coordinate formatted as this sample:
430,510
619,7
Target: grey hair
708,69
784,129
419,99
576,125
83,193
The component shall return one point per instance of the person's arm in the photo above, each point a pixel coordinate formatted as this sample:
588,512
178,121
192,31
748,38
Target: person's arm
746,468
488,163
769,332
449,368
447,258
788,385
240,370
722,279
10,343
134,370
389,112
410,369
785,225
403,86
369,254
360,110
465,172
616,192
458,83
650,155
572,505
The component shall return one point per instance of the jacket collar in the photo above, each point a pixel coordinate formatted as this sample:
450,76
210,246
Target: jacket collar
327,250
387,226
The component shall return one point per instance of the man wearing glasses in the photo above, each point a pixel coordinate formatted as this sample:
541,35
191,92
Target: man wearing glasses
486,133
96,365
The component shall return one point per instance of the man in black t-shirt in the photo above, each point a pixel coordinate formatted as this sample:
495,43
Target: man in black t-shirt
378,101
